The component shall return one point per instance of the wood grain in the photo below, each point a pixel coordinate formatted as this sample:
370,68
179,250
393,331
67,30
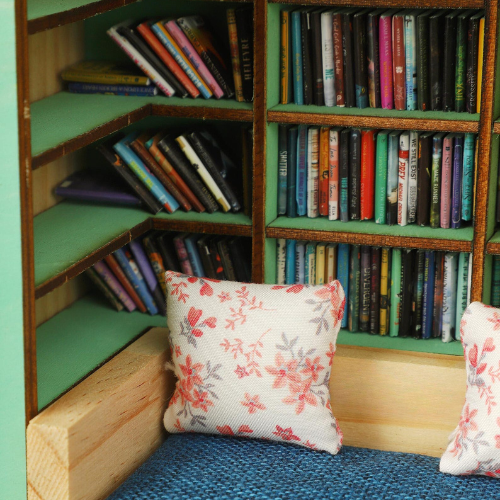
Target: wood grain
86,443
493,248
201,227
443,4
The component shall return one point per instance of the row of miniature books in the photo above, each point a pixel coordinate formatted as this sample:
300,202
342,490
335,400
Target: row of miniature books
167,171
390,59
179,57
390,176
133,277
396,292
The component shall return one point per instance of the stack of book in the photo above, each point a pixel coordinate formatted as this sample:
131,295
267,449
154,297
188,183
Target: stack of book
133,277
495,282
391,59
167,171
396,292
392,177
178,57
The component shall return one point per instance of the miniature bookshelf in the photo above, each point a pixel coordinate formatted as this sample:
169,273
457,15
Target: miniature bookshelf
67,238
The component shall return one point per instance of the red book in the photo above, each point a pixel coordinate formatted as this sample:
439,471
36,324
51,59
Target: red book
367,173
338,59
120,276
167,59
399,60
324,152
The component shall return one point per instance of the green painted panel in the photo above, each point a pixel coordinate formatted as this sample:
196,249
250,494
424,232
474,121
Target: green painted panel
64,116
495,238
273,54
270,267
369,227
271,172
69,231
41,8
79,339
12,411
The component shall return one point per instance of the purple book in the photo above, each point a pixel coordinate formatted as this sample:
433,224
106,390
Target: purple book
109,278
456,192
93,186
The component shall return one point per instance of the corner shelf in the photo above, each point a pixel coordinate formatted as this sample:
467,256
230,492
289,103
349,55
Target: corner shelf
79,339
72,236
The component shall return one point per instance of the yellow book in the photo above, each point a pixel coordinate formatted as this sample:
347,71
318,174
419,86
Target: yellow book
320,263
480,53
331,262
105,72
384,292
285,56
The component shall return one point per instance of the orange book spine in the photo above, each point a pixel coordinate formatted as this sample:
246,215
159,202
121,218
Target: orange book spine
367,173
324,151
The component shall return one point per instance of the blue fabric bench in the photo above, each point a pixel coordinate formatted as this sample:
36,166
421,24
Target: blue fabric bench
200,467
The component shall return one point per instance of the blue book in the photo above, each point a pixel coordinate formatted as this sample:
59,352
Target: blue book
310,264
145,176
290,262
101,88
468,176
456,187
298,78
343,275
302,170
428,298
291,173
194,255
282,168
410,23
133,275
159,31
299,262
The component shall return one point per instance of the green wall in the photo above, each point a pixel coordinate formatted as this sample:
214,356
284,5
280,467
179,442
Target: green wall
12,436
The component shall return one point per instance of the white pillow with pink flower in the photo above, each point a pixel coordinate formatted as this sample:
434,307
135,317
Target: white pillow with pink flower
474,446
254,360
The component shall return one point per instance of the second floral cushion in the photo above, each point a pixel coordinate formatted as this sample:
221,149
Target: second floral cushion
254,360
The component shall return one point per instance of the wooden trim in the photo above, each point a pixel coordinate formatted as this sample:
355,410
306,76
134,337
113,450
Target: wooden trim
259,141
333,120
493,248
205,113
484,154
496,127
369,239
202,227
443,4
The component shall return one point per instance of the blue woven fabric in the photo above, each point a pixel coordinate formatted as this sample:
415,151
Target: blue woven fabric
199,467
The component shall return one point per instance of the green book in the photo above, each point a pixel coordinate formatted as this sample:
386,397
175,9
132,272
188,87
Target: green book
395,292
462,284
461,60
381,177
495,288
354,288
310,264
437,156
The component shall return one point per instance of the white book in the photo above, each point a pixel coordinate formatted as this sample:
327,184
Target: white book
197,164
449,296
404,152
312,171
413,178
139,60
327,58
462,290
280,261
331,262
333,175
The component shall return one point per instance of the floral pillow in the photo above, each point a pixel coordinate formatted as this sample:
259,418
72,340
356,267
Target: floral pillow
474,446
254,360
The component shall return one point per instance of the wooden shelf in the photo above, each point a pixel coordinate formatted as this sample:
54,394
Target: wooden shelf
71,237
493,245
65,122
79,339
443,4
496,127
369,233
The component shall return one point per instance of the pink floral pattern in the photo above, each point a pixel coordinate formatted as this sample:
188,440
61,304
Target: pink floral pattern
253,357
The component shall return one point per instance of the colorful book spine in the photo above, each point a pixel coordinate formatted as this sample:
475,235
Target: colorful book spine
327,55
114,285
384,292
410,34
281,261
344,174
307,55
381,177
449,296
423,60
495,283
392,178
338,59
460,62
282,168
375,291
360,58
235,53
437,315
424,178
468,177
355,174
480,56
446,181
437,154
244,28
302,156
367,182
395,292
373,55
331,263
310,263
405,309
348,53
354,288
312,172
182,254
290,262
291,180
298,78
286,83
324,165
472,60
320,263
299,262
403,170
385,48
462,281
428,295
365,289
456,189
333,175
100,88
413,178
418,294
156,261
106,291
194,256
343,277
399,61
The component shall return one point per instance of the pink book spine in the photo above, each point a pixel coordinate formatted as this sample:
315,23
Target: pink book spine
109,278
190,52
446,177
333,176
182,255
385,42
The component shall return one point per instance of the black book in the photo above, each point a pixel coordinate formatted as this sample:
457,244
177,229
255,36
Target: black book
418,294
318,85
423,83
307,69
216,258
203,149
375,291
225,256
424,178
345,136
471,65
167,252
405,316
244,28
131,179
291,173
204,248
360,60
449,60
150,56
461,65
373,55
240,258
436,60
355,174
175,156
348,53
365,289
